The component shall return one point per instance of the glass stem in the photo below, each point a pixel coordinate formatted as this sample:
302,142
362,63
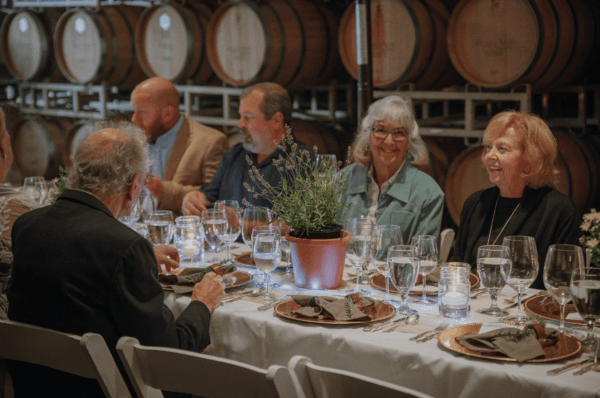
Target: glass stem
229,251
494,297
590,326
562,316
358,275
519,305
424,295
387,288
266,284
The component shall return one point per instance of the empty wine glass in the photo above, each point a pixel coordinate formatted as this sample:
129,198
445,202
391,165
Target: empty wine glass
215,227
403,270
521,271
253,216
358,249
384,236
231,208
285,245
585,288
491,259
267,255
324,162
35,188
561,261
160,227
426,251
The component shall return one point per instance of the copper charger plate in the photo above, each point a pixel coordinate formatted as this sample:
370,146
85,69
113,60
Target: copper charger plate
567,346
550,310
378,281
241,277
245,259
381,311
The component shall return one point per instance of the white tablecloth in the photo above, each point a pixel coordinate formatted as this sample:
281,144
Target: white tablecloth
240,332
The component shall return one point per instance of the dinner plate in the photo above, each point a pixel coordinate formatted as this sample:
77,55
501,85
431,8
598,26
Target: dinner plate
567,346
244,259
550,310
381,311
378,281
241,278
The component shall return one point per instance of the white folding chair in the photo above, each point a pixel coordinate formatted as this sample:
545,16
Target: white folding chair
152,369
85,356
446,239
313,381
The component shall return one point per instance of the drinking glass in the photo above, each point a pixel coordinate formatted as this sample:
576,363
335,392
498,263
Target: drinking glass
561,261
358,249
491,260
384,236
188,238
267,255
51,190
232,210
521,271
253,216
403,270
324,162
160,227
285,245
585,288
427,253
215,227
35,188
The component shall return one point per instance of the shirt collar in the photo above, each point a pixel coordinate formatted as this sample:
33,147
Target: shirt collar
168,139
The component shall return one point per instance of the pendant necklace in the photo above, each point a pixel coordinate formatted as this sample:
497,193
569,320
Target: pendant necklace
505,224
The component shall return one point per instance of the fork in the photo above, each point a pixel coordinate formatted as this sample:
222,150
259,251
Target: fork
439,328
273,304
431,336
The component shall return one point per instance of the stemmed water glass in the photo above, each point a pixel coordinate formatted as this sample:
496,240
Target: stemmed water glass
285,245
491,260
585,288
358,249
323,162
403,270
426,251
215,227
35,188
384,236
160,227
253,216
51,190
561,261
521,271
267,255
232,231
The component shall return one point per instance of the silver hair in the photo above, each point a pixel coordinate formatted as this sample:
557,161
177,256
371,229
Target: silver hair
107,168
396,110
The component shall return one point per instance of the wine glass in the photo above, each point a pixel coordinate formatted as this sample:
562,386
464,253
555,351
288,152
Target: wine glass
285,245
253,216
358,249
585,288
384,236
521,271
215,227
561,261
403,270
491,259
324,162
267,255
231,208
51,190
160,227
427,253
35,188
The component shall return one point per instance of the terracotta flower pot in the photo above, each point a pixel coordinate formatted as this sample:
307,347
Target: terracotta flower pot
318,263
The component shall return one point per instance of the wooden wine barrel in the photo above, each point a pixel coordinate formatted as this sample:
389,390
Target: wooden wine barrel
77,132
98,46
171,42
408,41
312,133
281,41
37,146
27,46
442,151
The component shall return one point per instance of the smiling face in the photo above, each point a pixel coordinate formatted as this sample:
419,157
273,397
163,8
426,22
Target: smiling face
503,160
387,153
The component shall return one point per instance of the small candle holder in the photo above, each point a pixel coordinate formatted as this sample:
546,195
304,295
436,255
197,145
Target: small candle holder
454,290
189,241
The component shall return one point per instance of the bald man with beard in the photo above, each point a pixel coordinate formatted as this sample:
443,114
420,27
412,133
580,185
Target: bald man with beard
185,154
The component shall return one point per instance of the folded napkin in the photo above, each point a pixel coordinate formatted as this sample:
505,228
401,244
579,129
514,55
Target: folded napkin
341,309
184,282
514,343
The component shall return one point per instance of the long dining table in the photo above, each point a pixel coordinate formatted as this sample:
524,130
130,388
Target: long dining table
241,332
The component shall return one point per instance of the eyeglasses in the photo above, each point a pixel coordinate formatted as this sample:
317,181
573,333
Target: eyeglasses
398,135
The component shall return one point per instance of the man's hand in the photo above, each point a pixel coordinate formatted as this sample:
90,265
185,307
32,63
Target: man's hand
156,188
210,291
167,256
194,203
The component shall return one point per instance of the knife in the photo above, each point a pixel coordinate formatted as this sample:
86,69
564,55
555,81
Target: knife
566,368
374,328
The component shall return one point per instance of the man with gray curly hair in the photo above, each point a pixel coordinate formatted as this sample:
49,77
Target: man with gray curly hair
78,269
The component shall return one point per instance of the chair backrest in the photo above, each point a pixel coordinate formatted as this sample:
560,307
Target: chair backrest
152,369
313,381
85,356
446,239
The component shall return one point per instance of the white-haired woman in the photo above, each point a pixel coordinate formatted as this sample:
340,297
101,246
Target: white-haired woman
384,184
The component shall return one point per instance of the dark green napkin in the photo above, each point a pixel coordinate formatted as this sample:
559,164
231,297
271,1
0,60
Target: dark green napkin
514,343
348,308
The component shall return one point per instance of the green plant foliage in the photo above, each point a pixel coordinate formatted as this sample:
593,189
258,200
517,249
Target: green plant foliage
591,235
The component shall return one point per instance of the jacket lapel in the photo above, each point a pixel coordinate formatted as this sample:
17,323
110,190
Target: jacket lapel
178,150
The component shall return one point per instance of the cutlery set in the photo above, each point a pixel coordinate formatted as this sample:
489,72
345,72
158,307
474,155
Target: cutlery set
273,304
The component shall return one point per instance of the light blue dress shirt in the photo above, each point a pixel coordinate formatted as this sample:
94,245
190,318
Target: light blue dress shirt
161,149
